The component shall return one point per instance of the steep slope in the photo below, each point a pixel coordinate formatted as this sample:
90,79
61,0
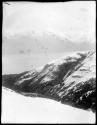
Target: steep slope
70,80
20,109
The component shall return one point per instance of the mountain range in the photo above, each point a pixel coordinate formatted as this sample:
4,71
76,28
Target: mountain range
45,42
70,80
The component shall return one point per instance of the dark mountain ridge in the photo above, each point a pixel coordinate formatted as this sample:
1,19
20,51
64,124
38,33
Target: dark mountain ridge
70,80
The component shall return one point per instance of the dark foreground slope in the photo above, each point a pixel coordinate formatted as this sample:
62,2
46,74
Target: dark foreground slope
70,80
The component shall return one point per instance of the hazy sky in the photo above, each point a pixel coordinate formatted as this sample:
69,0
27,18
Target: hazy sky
36,33
72,19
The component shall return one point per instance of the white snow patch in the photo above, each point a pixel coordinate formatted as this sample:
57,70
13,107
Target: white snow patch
20,109
46,79
62,59
89,64
22,80
32,72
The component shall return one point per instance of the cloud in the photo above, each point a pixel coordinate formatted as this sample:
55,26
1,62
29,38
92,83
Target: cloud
70,17
44,44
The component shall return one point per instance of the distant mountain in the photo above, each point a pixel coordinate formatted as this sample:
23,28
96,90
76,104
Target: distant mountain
70,80
46,42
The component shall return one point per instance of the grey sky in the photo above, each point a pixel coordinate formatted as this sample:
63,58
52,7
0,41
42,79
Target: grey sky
36,33
71,18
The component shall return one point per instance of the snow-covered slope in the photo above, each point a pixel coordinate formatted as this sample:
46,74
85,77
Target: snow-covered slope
70,80
20,109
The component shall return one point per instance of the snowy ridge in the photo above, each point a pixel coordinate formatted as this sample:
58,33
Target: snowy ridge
29,75
85,72
70,79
